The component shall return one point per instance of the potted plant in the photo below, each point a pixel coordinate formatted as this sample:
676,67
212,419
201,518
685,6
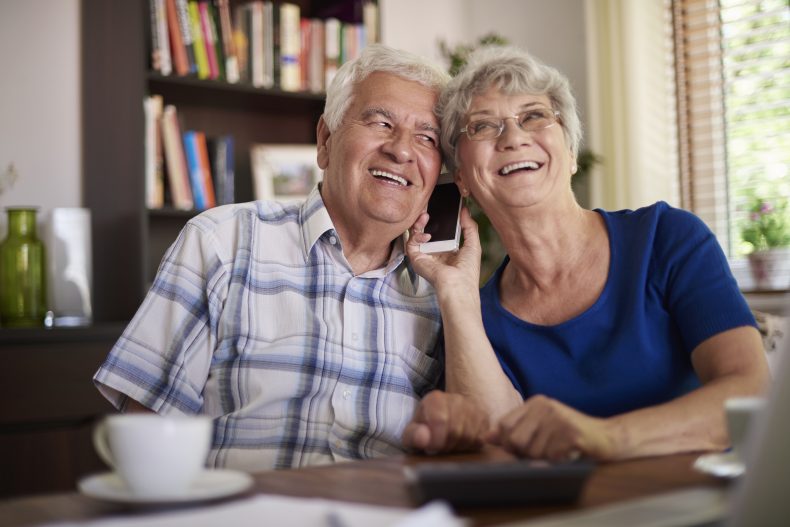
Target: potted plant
766,232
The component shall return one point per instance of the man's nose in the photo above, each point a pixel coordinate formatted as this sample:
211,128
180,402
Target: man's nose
399,147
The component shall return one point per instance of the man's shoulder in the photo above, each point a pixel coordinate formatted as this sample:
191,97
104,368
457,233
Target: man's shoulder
253,212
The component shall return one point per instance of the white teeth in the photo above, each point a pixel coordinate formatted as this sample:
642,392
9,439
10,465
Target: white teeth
380,173
516,166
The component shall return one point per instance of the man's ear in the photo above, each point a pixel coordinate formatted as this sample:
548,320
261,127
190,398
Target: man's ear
323,134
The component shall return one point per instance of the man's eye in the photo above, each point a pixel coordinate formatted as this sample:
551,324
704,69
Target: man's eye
427,138
384,125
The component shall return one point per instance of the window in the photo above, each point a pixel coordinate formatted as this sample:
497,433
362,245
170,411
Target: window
732,61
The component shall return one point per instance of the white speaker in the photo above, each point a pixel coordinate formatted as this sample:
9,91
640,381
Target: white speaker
69,262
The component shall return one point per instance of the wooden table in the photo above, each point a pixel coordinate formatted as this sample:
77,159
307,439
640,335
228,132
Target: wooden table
381,482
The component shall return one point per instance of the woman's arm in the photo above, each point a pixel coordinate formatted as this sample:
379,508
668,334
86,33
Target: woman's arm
729,364
471,366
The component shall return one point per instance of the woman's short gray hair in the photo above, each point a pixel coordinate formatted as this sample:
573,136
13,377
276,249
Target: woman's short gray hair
377,58
513,71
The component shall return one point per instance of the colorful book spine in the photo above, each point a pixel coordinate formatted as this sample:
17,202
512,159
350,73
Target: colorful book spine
160,47
256,43
228,42
185,25
316,55
214,27
332,49
195,171
154,160
177,46
201,58
290,47
205,169
177,172
209,39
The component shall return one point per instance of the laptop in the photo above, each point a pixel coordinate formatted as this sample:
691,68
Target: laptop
760,498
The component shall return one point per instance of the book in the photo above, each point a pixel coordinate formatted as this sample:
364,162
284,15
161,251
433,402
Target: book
177,46
196,177
201,56
241,41
214,26
177,172
255,33
305,32
209,38
270,43
315,70
160,45
185,25
228,42
220,151
370,19
205,169
154,161
290,47
332,49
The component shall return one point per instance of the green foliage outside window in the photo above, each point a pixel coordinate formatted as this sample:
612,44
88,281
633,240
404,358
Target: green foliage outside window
767,225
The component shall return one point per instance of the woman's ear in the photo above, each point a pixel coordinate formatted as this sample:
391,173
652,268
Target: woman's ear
323,134
460,184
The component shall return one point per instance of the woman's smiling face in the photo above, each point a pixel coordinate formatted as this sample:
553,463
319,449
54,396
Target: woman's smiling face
517,168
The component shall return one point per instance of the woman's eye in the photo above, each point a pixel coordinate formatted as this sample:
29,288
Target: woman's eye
481,126
384,125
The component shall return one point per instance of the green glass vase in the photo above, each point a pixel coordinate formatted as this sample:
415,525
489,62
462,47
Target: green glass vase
23,293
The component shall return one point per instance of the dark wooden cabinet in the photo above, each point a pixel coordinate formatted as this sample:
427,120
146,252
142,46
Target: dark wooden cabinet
128,240
48,405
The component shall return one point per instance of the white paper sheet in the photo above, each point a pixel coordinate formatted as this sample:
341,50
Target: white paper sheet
271,510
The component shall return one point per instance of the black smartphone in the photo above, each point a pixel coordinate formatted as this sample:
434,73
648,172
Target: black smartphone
490,483
444,209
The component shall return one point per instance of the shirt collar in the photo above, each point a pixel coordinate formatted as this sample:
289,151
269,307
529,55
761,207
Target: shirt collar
314,219
315,222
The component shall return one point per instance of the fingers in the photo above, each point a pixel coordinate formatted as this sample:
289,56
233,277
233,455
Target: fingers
469,229
416,436
446,423
543,428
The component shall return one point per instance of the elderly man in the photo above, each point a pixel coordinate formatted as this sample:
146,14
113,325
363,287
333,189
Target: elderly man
301,328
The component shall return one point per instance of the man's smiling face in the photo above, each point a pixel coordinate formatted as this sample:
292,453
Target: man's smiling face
382,162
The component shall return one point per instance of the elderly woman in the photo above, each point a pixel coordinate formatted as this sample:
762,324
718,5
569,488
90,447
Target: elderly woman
605,334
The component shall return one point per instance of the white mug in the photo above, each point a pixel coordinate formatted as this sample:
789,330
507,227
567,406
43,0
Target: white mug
741,415
158,457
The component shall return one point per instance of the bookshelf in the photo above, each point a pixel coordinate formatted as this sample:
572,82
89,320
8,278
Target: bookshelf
128,239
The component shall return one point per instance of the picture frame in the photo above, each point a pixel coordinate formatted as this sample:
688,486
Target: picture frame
283,172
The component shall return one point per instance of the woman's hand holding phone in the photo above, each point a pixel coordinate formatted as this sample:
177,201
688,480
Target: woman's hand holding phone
447,271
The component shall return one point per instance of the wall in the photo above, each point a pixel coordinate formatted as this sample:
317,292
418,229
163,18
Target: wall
553,30
40,102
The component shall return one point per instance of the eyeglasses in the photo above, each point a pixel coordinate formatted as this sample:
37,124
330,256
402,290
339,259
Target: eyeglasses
530,120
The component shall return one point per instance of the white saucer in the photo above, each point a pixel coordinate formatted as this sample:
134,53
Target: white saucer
209,485
723,465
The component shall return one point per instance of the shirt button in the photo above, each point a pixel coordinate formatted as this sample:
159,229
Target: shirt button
346,394
333,240
355,336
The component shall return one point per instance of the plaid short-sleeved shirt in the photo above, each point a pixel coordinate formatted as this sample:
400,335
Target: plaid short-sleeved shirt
256,319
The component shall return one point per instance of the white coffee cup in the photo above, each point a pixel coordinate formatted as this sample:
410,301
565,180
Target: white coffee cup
741,415
158,457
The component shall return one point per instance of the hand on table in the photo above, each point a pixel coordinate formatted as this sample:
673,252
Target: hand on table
446,422
543,428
